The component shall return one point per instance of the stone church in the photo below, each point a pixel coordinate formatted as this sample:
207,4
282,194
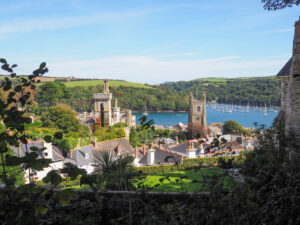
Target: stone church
290,89
197,125
105,115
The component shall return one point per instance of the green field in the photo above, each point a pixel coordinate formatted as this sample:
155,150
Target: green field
112,83
194,180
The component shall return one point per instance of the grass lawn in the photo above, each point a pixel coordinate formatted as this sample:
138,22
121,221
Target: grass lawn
194,181
112,83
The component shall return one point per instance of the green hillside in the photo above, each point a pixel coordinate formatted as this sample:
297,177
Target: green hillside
112,83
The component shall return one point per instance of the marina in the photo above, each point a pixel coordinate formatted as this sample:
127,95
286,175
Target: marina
219,113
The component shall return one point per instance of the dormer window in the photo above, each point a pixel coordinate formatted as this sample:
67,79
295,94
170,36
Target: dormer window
86,155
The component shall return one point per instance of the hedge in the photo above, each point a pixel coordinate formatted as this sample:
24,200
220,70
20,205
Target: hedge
189,164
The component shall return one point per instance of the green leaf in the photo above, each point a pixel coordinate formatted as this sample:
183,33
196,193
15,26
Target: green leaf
13,160
18,88
53,177
72,171
43,65
3,61
48,138
41,210
64,197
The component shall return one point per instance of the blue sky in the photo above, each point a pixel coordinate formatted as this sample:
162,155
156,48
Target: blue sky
146,41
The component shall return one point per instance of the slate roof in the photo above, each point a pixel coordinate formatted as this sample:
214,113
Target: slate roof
79,155
112,145
286,70
181,148
159,157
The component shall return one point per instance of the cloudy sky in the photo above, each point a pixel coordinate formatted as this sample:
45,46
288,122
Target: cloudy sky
146,41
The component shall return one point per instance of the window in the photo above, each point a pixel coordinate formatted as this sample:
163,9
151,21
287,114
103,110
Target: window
198,108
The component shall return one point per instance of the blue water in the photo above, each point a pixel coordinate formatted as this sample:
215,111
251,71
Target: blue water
213,116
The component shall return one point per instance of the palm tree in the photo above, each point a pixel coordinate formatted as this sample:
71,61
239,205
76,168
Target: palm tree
114,172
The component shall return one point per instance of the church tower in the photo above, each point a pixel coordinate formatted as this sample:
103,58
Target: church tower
293,103
102,106
197,126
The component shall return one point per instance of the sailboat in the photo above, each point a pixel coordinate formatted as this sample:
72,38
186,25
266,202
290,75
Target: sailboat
145,113
265,110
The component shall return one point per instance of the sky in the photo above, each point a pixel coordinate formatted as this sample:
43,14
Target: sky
146,41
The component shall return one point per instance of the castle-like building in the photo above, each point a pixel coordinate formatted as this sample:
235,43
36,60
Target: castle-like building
290,89
197,125
104,115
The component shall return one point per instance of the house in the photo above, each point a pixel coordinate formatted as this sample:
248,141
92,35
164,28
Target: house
155,155
50,152
86,157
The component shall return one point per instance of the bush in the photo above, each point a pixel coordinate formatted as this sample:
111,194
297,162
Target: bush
191,164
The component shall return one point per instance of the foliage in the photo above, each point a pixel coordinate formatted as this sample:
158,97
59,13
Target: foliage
279,4
233,127
51,93
134,139
103,134
189,164
114,172
62,118
255,91
192,180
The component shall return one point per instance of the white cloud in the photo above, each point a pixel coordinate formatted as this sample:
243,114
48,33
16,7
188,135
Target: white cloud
148,69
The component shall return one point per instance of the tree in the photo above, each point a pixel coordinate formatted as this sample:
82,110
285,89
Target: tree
61,117
134,137
52,92
279,4
233,127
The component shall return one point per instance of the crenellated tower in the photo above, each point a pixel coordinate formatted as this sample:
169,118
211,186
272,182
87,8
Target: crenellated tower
102,106
197,125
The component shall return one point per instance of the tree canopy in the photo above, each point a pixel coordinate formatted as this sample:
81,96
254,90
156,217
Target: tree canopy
233,127
279,4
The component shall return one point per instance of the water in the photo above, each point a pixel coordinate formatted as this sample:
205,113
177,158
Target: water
213,116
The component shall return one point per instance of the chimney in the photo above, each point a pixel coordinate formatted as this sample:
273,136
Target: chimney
177,142
136,152
106,87
70,154
144,149
190,151
118,149
151,155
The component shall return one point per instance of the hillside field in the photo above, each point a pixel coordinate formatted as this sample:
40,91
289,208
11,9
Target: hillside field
112,83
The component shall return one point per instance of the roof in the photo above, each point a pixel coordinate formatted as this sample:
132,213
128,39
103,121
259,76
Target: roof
181,148
160,156
112,145
84,155
286,70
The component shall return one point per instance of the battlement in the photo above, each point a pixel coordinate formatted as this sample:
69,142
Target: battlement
102,96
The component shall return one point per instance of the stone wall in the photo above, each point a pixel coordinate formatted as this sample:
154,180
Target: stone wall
293,104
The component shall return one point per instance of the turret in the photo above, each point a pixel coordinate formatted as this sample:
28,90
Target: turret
106,87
